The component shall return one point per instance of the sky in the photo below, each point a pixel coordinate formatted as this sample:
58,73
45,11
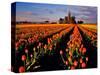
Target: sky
39,12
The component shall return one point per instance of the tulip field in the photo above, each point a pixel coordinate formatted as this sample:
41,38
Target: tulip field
48,47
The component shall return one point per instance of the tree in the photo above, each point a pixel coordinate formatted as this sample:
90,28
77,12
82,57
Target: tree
80,22
61,20
46,22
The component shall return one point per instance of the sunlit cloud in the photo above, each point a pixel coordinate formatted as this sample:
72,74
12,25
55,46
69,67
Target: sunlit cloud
41,12
24,13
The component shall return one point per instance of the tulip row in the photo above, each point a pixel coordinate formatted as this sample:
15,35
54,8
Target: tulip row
74,56
31,56
91,36
35,34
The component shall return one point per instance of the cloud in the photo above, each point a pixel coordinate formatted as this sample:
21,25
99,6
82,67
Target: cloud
20,18
27,13
24,13
78,12
44,18
83,16
39,12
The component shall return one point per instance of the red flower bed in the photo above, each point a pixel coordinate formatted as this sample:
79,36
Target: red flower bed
34,43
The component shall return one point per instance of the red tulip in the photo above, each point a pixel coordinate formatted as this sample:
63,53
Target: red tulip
81,60
82,46
61,52
17,44
21,69
66,50
72,67
80,49
86,58
45,46
40,44
66,62
49,41
23,57
16,48
75,63
31,55
50,48
84,50
83,65
26,50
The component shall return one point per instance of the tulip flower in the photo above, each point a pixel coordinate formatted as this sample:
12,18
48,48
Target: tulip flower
21,69
31,55
45,47
75,63
49,41
40,44
87,59
23,57
81,60
84,50
26,50
83,65
72,67
17,48
61,52
66,62
66,50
